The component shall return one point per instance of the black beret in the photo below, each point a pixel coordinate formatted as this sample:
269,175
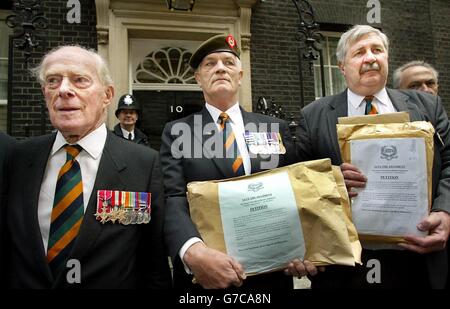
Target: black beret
216,44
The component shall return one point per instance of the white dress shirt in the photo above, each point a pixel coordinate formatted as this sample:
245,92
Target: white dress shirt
125,133
237,124
89,160
357,105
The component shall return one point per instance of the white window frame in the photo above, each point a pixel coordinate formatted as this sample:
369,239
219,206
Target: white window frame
327,67
139,48
3,15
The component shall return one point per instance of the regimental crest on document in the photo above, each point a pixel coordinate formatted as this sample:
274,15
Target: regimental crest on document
388,152
255,187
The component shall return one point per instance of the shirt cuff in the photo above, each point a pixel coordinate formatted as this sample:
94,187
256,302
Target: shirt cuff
184,248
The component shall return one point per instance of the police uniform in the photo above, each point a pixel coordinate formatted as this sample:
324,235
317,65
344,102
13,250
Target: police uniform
128,102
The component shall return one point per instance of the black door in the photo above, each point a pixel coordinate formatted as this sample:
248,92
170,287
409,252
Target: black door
159,107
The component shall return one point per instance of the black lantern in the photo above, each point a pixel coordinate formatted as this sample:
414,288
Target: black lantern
181,5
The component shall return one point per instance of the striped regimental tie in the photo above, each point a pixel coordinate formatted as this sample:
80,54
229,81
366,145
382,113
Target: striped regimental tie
371,109
67,212
230,145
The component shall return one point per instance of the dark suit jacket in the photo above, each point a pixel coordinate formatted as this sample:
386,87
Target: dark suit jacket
318,139
6,144
195,167
111,255
139,136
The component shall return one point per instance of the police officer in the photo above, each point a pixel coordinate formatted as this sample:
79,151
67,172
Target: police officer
128,112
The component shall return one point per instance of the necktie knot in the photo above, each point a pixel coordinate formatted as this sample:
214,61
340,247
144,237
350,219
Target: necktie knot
370,108
368,98
72,151
130,136
223,119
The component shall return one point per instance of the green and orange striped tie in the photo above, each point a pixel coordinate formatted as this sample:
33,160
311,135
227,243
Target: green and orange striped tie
67,212
370,108
230,146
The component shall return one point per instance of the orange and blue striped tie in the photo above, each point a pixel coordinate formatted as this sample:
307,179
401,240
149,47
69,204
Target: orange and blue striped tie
230,146
67,212
370,108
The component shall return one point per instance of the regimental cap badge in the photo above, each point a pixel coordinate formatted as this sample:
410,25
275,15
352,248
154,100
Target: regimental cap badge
231,42
128,100
216,44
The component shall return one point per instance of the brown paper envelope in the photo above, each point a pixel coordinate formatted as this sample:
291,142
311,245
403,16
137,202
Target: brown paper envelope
380,118
319,190
349,132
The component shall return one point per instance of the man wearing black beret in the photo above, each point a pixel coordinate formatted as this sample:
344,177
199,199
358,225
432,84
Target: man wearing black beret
218,71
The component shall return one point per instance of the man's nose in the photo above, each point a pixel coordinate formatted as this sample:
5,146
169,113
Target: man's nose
424,87
220,66
369,57
65,89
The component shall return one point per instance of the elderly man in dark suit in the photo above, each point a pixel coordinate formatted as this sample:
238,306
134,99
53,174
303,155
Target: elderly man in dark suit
79,199
6,144
185,157
363,56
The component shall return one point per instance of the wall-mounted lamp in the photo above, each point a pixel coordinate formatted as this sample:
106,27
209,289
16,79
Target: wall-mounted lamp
181,5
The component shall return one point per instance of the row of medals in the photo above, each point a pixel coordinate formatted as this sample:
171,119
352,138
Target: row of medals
123,215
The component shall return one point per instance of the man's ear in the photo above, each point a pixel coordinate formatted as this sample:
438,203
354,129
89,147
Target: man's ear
341,67
109,95
197,78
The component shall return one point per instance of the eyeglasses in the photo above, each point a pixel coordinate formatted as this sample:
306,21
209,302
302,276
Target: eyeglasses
79,81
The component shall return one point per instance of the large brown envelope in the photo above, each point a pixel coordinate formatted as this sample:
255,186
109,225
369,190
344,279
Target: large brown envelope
382,128
323,205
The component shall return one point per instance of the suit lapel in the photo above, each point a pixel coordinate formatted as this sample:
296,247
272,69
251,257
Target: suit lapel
400,100
108,177
338,108
37,163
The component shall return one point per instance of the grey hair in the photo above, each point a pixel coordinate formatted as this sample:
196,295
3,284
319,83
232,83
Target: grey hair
354,34
101,66
414,63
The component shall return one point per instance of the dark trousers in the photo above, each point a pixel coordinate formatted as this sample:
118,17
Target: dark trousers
398,269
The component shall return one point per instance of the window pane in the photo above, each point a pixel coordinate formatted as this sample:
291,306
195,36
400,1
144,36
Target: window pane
2,117
332,42
3,78
317,82
339,84
334,81
5,31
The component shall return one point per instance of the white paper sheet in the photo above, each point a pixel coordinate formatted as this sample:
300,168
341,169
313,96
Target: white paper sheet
261,224
394,200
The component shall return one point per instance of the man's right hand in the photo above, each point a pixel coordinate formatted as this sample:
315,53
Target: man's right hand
213,269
